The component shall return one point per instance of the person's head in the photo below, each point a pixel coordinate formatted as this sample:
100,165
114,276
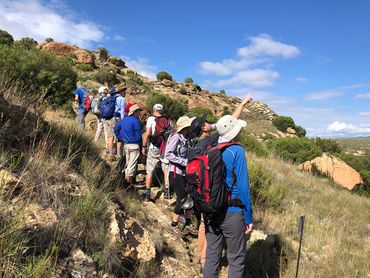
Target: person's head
229,128
79,84
121,89
103,90
135,110
200,126
183,125
157,109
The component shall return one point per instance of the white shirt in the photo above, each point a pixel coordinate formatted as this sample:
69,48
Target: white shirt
150,123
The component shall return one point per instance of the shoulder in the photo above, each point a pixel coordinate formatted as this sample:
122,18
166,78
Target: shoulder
234,151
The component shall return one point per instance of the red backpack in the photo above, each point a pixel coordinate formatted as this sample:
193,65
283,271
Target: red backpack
205,181
87,101
162,126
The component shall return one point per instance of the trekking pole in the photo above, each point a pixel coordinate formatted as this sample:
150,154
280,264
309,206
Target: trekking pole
300,234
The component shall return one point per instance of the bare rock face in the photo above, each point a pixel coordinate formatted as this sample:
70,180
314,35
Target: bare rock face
167,83
61,48
36,217
116,61
83,56
335,168
102,55
81,266
291,130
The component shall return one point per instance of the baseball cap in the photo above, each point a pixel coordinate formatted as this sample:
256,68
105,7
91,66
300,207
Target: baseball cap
158,106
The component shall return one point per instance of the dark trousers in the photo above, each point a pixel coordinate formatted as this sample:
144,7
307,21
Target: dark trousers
177,182
230,227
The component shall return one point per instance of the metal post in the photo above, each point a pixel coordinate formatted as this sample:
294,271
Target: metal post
300,234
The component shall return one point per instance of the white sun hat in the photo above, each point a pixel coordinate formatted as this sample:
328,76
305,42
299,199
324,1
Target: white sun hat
228,127
102,89
183,122
158,107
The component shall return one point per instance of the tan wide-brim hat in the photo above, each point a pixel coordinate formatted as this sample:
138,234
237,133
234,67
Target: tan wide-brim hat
134,108
183,122
120,87
228,127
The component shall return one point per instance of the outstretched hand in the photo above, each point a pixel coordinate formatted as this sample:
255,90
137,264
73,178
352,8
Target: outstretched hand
247,99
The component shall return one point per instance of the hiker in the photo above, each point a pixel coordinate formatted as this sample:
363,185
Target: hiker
102,93
119,112
83,101
156,126
176,152
202,140
128,130
235,222
107,108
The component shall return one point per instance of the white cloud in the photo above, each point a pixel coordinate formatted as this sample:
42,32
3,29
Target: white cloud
351,129
256,78
119,38
332,93
142,66
259,54
31,18
301,79
264,45
363,96
364,114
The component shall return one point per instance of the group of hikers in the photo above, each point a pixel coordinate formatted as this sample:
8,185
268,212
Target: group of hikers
203,164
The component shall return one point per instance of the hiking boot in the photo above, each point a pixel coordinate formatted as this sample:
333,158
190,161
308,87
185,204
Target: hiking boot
166,194
111,158
191,229
147,197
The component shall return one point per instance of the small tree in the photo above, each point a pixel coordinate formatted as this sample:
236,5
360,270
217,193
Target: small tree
26,43
6,38
173,108
164,75
189,80
301,132
222,92
182,90
283,122
226,111
49,40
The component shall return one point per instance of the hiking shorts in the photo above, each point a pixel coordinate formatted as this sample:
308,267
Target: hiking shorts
108,126
152,160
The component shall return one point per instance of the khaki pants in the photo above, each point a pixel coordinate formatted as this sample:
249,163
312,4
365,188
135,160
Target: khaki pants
132,152
202,242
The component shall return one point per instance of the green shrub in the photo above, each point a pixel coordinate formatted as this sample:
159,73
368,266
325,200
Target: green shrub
164,75
27,43
189,80
49,40
39,71
301,132
297,150
6,38
197,87
104,75
182,90
222,92
84,67
226,111
251,144
203,111
328,145
283,122
173,108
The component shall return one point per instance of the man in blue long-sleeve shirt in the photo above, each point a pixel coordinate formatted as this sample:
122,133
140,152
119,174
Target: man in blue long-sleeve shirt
234,224
128,131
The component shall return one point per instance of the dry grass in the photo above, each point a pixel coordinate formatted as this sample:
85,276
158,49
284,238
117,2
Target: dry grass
336,239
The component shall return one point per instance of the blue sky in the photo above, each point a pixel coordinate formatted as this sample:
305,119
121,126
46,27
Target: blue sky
305,59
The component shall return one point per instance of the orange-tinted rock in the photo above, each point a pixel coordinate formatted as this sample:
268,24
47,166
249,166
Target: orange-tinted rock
335,168
83,56
59,48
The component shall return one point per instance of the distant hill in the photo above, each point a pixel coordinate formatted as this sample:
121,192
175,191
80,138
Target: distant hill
355,145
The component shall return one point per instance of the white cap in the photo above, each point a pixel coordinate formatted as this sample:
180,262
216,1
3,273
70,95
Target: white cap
228,127
102,89
158,106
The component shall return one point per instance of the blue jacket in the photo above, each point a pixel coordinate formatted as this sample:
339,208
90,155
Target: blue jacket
128,130
236,161
80,92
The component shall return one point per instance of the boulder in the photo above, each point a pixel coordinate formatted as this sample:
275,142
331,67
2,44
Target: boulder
83,56
36,216
335,168
102,55
291,130
167,83
59,48
116,61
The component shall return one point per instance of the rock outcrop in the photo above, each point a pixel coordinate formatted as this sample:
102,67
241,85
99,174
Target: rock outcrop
60,48
335,168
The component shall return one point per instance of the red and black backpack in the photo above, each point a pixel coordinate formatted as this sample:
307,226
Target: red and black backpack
162,126
205,181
